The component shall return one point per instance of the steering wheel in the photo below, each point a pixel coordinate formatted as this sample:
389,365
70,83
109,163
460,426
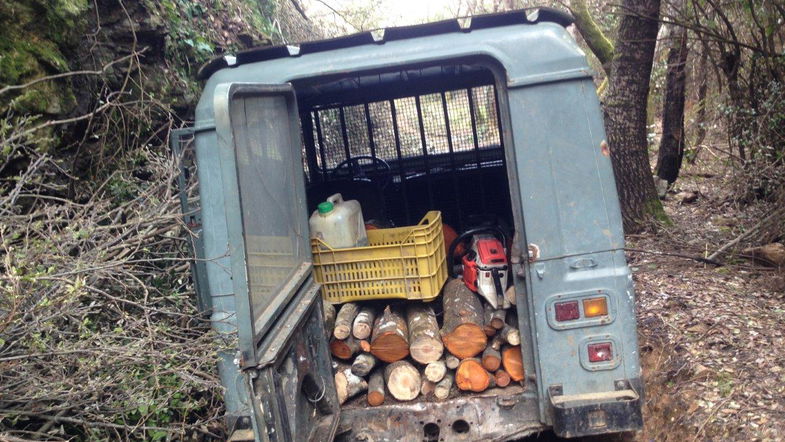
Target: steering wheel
354,168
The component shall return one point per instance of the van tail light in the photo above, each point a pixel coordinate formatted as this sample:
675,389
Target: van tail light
567,311
595,307
600,352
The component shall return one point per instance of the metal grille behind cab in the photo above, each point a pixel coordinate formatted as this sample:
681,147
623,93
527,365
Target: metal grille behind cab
444,150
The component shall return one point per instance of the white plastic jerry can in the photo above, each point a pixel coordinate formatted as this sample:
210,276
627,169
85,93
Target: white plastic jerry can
339,223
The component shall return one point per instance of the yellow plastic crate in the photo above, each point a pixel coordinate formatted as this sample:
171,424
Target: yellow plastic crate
403,262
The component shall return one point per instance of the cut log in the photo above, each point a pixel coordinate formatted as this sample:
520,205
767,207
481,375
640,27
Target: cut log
487,317
363,364
435,371
365,346
363,323
390,337
329,318
509,295
472,376
402,380
427,387
462,332
425,345
497,319
510,335
348,385
376,388
345,348
451,361
491,359
344,319
502,378
442,390
513,362
497,342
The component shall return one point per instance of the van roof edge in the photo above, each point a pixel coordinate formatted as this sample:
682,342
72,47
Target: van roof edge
379,36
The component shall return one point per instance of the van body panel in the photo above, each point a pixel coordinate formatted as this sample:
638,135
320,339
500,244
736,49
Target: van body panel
568,245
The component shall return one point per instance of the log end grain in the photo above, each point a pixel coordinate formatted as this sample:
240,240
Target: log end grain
472,376
513,363
466,340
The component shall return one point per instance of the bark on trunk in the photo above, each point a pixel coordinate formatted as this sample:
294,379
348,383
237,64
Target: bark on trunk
390,340
625,113
403,380
427,387
442,390
363,364
343,322
671,153
425,345
329,318
363,323
348,385
462,333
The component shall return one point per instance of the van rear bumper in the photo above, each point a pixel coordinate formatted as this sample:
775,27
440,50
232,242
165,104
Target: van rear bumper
598,413
494,415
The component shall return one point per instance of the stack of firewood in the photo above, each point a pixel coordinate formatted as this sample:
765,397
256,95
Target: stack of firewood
401,350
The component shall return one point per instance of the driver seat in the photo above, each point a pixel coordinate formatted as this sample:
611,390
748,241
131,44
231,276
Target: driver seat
368,194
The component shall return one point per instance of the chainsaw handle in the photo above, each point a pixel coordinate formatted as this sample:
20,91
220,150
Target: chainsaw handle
496,230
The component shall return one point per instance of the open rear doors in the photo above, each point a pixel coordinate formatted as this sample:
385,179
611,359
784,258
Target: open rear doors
282,345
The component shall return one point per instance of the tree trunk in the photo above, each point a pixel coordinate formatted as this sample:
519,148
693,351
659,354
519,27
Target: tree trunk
343,322
513,363
376,388
390,340
425,345
363,323
703,89
671,153
462,333
472,376
625,113
599,44
403,380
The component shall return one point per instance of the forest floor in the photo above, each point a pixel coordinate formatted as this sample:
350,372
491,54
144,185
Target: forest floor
711,338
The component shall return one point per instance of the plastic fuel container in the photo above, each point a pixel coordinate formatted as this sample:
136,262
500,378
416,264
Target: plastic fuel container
339,223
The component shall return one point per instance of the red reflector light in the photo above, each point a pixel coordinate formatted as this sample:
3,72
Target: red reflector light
600,352
567,311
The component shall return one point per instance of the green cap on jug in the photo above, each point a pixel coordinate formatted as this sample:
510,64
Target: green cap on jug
325,207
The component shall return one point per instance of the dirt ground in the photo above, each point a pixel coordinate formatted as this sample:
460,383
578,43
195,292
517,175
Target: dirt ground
711,338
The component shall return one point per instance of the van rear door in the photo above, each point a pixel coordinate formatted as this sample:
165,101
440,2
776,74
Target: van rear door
282,346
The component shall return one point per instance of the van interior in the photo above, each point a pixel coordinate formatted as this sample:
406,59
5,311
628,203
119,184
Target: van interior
406,141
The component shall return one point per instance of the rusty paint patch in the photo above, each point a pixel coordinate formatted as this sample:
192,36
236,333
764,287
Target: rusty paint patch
606,151
534,252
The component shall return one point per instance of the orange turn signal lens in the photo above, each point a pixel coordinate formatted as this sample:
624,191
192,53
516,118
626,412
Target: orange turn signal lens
595,307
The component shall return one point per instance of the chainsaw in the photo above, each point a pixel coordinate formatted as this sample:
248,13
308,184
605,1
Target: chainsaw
485,267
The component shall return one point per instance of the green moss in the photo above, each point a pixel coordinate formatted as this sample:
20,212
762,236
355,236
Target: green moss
655,209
